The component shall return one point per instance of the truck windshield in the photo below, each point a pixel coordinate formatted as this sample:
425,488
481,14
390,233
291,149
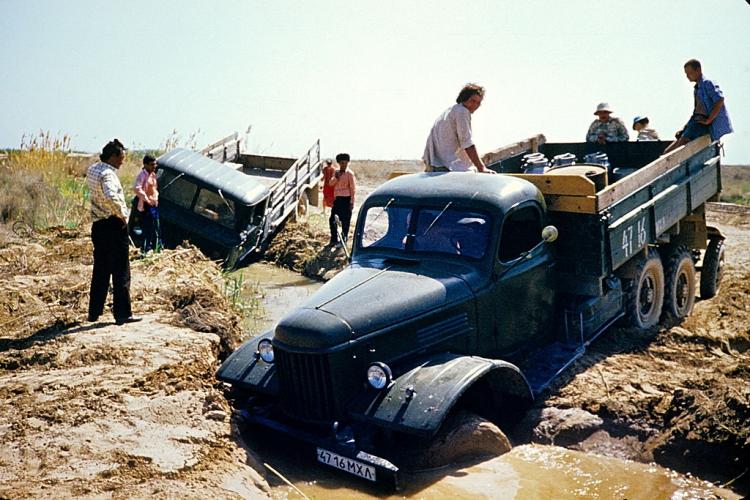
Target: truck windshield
450,231
212,205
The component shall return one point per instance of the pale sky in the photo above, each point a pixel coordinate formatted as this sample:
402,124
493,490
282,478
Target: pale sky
368,78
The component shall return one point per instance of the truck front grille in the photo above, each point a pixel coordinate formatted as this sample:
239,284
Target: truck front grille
306,386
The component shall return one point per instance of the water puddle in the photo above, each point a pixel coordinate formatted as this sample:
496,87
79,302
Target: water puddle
527,471
281,291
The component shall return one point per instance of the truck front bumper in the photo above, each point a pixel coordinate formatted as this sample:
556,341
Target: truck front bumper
339,453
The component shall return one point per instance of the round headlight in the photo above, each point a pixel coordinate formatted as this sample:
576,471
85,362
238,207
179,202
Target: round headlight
265,350
379,375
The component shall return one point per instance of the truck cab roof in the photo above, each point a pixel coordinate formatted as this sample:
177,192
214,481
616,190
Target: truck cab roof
232,183
497,192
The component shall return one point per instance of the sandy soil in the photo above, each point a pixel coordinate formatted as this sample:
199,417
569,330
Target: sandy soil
97,410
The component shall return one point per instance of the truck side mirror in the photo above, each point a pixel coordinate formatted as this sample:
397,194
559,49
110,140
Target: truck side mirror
549,234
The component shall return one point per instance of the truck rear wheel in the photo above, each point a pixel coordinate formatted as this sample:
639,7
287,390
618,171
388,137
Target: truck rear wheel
713,268
645,293
680,284
303,207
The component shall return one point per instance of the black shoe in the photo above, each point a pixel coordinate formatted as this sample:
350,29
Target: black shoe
129,319
91,318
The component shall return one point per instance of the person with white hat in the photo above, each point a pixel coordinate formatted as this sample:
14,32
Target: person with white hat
606,128
640,125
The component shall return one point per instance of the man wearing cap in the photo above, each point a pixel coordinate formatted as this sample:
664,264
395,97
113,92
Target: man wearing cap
640,125
709,112
606,128
109,234
450,146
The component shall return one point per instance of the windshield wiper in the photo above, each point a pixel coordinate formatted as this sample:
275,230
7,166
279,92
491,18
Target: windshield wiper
382,210
171,182
231,209
436,218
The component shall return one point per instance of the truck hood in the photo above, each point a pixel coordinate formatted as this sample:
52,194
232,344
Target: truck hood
361,300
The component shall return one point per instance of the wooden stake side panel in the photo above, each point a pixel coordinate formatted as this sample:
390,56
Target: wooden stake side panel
531,144
627,185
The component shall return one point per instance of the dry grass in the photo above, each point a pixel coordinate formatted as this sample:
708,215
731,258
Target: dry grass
43,183
735,181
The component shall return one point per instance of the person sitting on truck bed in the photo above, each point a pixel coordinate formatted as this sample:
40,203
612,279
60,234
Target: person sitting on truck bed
709,112
606,128
640,125
450,146
344,187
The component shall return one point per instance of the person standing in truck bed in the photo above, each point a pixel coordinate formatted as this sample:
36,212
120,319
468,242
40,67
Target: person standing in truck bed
344,187
606,128
709,112
450,146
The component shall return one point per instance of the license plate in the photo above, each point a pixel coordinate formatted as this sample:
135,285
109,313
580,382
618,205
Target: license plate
346,464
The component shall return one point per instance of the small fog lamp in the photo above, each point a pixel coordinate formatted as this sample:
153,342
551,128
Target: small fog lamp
265,350
379,375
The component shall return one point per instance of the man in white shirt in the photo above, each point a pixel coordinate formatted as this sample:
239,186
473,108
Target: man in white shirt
450,146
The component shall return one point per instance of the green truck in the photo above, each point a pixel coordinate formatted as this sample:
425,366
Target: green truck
471,293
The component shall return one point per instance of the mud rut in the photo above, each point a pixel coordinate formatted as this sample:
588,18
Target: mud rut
134,411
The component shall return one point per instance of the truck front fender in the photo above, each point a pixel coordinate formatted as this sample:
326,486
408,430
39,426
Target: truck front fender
418,401
244,368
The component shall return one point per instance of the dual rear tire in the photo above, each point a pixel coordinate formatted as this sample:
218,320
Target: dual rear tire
665,285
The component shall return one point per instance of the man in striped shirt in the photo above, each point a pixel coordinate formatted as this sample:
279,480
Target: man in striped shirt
109,234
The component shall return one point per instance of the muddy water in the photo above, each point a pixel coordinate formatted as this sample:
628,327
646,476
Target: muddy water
281,291
528,471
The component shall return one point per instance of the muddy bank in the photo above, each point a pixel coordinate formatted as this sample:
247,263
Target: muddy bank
97,410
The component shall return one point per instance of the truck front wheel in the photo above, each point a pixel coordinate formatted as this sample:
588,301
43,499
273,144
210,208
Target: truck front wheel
680,284
645,293
713,268
463,436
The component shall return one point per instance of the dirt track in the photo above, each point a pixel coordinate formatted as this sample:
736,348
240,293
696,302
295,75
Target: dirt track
100,410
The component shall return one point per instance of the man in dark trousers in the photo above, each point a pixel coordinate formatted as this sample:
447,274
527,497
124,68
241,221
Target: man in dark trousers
344,187
109,233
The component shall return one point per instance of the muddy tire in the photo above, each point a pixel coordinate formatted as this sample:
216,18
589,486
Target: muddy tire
463,436
679,290
645,291
303,208
713,268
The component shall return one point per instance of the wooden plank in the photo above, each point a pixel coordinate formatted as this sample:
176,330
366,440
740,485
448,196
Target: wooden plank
573,185
576,204
531,144
220,142
627,185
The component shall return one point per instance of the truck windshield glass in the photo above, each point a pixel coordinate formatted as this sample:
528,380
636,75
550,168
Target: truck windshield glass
443,230
178,189
215,207
452,231
386,227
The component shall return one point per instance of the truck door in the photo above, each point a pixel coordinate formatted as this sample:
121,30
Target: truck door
520,301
